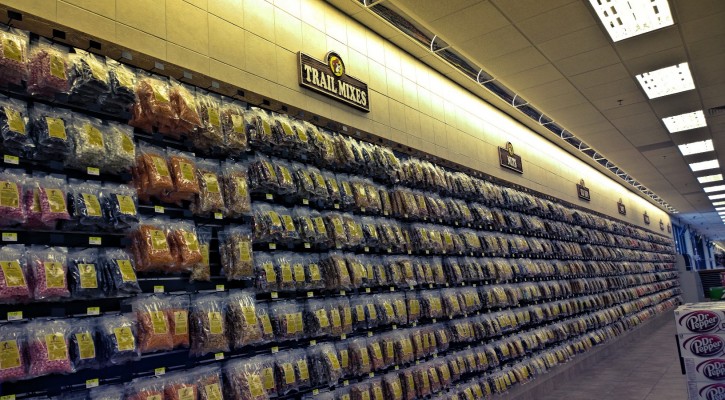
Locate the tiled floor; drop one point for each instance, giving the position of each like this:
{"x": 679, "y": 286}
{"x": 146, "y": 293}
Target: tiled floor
{"x": 646, "y": 368}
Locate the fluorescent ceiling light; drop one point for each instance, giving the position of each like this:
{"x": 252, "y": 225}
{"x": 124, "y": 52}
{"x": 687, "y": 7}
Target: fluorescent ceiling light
{"x": 666, "y": 81}
{"x": 711, "y": 189}
{"x": 626, "y": 18}
{"x": 718, "y": 203}
{"x": 709, "y": 178}
{"x": 696, "y": 147}
{"x": 700, "y": 166}
{"x": 716, "y": 196}
{"x": 683, "y": 122}
{"x": 719, "y": 208}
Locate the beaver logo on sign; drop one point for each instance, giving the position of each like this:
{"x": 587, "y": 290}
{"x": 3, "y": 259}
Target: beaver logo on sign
{"x": 336, "y": 65}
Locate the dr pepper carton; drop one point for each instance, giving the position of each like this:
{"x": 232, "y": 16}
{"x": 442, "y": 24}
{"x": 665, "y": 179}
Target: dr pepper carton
{"x": 705, "y": 345}
{"x": 705, "y": 369}
{"x": 705, "y": 390}
{"x": 700, "y": 318}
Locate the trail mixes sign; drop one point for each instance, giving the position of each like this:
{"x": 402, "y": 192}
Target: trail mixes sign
{"x": 330, "y": 78}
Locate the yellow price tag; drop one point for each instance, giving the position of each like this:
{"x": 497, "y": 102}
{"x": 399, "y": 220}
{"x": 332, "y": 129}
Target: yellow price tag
{"x": 93, "y": 310}
{"x": 91, "y": 383}
{"x": 160, "y": 371}
{"x": 219, "y": 288}
{"x": 158, "y": 289}
{"x": 11, "y": 159}
{"x": 93, "y": 171}
{"x": 10, "y": 237}
{"x": 158, "y": 209}
{"x": 219, "y": 356}
{"x": 15, "y": 315}
{"x": 94, "y": 240}
{"x": 218, "y": 215}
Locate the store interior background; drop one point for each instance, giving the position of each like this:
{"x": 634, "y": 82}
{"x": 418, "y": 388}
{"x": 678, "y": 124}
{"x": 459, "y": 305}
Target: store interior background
{"x": 438, "y": 111}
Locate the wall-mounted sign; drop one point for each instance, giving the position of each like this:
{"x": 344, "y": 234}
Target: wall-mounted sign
{"x": 662, "y": 225}
{"x": 621, "y": 208}
{"x": 508, "y": 159}
{"x": 583, "y": 191}
{"x": 646, "y": 218}
{"x": 330, "y": 78}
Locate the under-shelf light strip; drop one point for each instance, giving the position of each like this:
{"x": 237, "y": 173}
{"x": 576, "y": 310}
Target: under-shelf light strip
{"x": 378, "y": 10}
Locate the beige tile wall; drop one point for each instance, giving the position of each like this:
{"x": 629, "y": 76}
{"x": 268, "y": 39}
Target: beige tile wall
{"x": 253, "y": 43}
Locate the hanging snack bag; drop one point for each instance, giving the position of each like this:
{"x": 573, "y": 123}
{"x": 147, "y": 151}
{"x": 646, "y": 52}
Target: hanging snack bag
{"x": 324, "y": 365}
{"x": 119, "y": 203}
{"x": 87, "y": 278}
{"x": 334, "y": 267}
{"x": 286, "y": 181}
{"x": 122, "y": 80}
{"x": 152, "y": 175}
{"x": 359, "y": 357}
{"x": 120, "y": 148}
{"x": 49, "y": 271}
{"x": 178, "y": 316}
{"x": 151, "y": 247}
{"x": 182, "y": 167}
{"x": 184, "y": 103}
{"x": 267, "y": 223}
{"x": 209, "y": 134}
{"x": 210, "y": 198}
{"x": 259, "y": 129}
{"x": 243, "y": 380}
{"x": 304, "y": 185}
{"x": 283, "y": 269}
{"x": 317, "y": 319}
{"x": 152, "y": 323}
{"x": 118, "y": 338}
{"x": 262, "y": 175}
{"x": 48, "y": 348}
{"x": 153, "y": 107}
{"x": 82, "y": 344}
{"x": 48, "y": 69}
{"x": 202, "y": 270}
{"x": 145, "y": 389}
{"x": 180, "y": 385}
{"x": 13, "y": 56}
{"x": 120, "y": 271}
{"x": 12, "y": 349}
{"x": 50, "y": 128}
{"x": 85, "y": 205}
{"x": 233, "y": 127}
{"x": 208, "y": 325}
{"x": 287, "y": 320}
{"x": 208, "y": 382}
{"x": 266, "y": 279}
{"x": 14, "y": 127}
{"x": 88, "y": 142}
{"x": 244, "y": 326}
{"x": 88, "y": 76}
{"x": 236, "y": 189}
{"x": 11, "y": 206}
{"x": 286, "y": 377}
{"x": 235, "y": 247}
{"x": 313, "y": 272}
{"x": 184, "y": 245}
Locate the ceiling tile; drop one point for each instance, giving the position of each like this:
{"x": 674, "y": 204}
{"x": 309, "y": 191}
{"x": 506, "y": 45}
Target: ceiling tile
{"x": 554, "y": 88}
{"x": 627, "y": 110}
{"x": 703, "y": 28}
{"x": 652, "y": 42}
{"x": 573, "y": 43}
{"x": 431, "y": 10}
{"x": 677, "y": 104}
{"x": 532, "y": 77}
{"x": 600, "y": 76}
{"x": 522, "y": 9}
{"x": 651, "y": 62}
{"x": 557, "y": 22}
{"x": 467, "y": 23}
{"x": 588, "y": 61}
{"x": 517, "y": 61}
{"x": 496, "y": 43}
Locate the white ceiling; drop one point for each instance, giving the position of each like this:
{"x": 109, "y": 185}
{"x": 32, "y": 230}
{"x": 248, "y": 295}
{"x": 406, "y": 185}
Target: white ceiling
{"x": 556, "y": 55}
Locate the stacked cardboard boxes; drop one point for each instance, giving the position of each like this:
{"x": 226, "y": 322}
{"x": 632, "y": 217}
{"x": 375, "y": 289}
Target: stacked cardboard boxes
{"x": 701, "y": 337}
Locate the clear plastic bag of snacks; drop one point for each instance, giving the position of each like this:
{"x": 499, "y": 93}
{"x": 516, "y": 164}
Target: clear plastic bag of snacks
{"x": 88, "y": 77}
{"x": 353, "y": 230}
{"x": 284, "y": 135}
{"x": 266, "y": 279}
{"x": 119, "y": 203}
{"x": 407, "y": 381}
{"x": 263, "y": 175}
{"x": 85, "y": 205}
{"x": 14, "y": 364}
{"x": 335, "y": 226}
{"x": 268, "y": 225}
{"x": 285, "y": 180}
{"x": 153, "y": 107}
{"x": 304, "y": 184}
{"x": 49, "y": 271}
{"x": 359, "y": 357}
{"x": 323, "y": 147}
{"x": 333, "y": 189}
{"x": 120, "y": 148}
{"x": 48, "y": 347}
{"x": 87, "y": 278}
{"x": 208, "y": 382}
{"x": 210, "y": 199}
{"x": 120, "y": 271}
{"x": 145, "y": 389}
{"x": 258, "y": 126}
{"x": 180, "y": 385}
{"x": 375, "y": 351}
{"x": 153, "y": 331}
{"x": 48, "y": 69}
{"x": 302, "y": 142}
{"x": 243, "y": 380}
{"x": 14, "y": 127}
{"x": 244, "y": 327}
{"x": 184, "y": 245}
{"x": 117, "y": 334}
{"x": 324, "y": 365}
{"x": 152, "y": 176}
{"x": 122, "y": 80}
{"x": 364, "y": 313}
{"x": 150, "y": 245}
{"x": 335, "y": 271}
{"x": 297, "y": 264}
{"x": 321, "y": 237}
{"x": 50, "y": 129}
{"x": 313, "y": 272}
{"x": 209, "y": 134}
{"x": 287, "y": 320}
{"x": 178, "y": 316}
{"x": 12, "y": 210}
{"x": 182, "y": 167}
{"x": 236, "y": 189}
{"x": 356, "y": 268}
{"x": 202, "y": 270}
{"x": 82, "y": 346}
{"x": 235, "y": 248}
{"x": 13, "y": 56}
{"x": 317, "y": 319}
{"x": 183, "y": 101}
{"x": 347, "y": 196}
{"x": 233, "y": 121}
{"x": 208, "y": 325}
{"x": 88, "y": 139}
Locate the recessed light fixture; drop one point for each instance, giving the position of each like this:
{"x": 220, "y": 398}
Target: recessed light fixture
{"x": 683, "y": 122}
{"x": 624, "y": 19}
{"x": 696, "y": 147}
{"x": 666, "y": 81}
{"x": 718, "y": 188}
{"x": 716, "y": 196}
{"x": 709, "y": 178}
{"x": 701, "y": 166}
{"x": 718, "y": 203}
{"x": 719, "y": 208}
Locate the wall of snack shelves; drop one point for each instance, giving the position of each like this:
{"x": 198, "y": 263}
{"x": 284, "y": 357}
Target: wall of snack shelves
{"x": 162, "y": 240}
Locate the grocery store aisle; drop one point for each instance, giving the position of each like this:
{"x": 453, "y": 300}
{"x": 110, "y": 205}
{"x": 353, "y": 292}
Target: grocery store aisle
{"x": 645, "y": 368}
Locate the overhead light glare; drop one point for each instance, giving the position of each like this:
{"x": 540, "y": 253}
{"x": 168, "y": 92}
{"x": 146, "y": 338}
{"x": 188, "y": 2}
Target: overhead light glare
{"x": 696, "y": 147}
{"x": 686, "y": 121}
{"x": 716, "y": 196}
{"x": 711, "y": 189}
{"x": 701, "y": 166}
{"x": 624, "y": 19}
{"x": 719, "y": 208}
{"x": 709, "y": 178}
{"x": 666, "y": 81}
{"x": 718, "y": 203}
